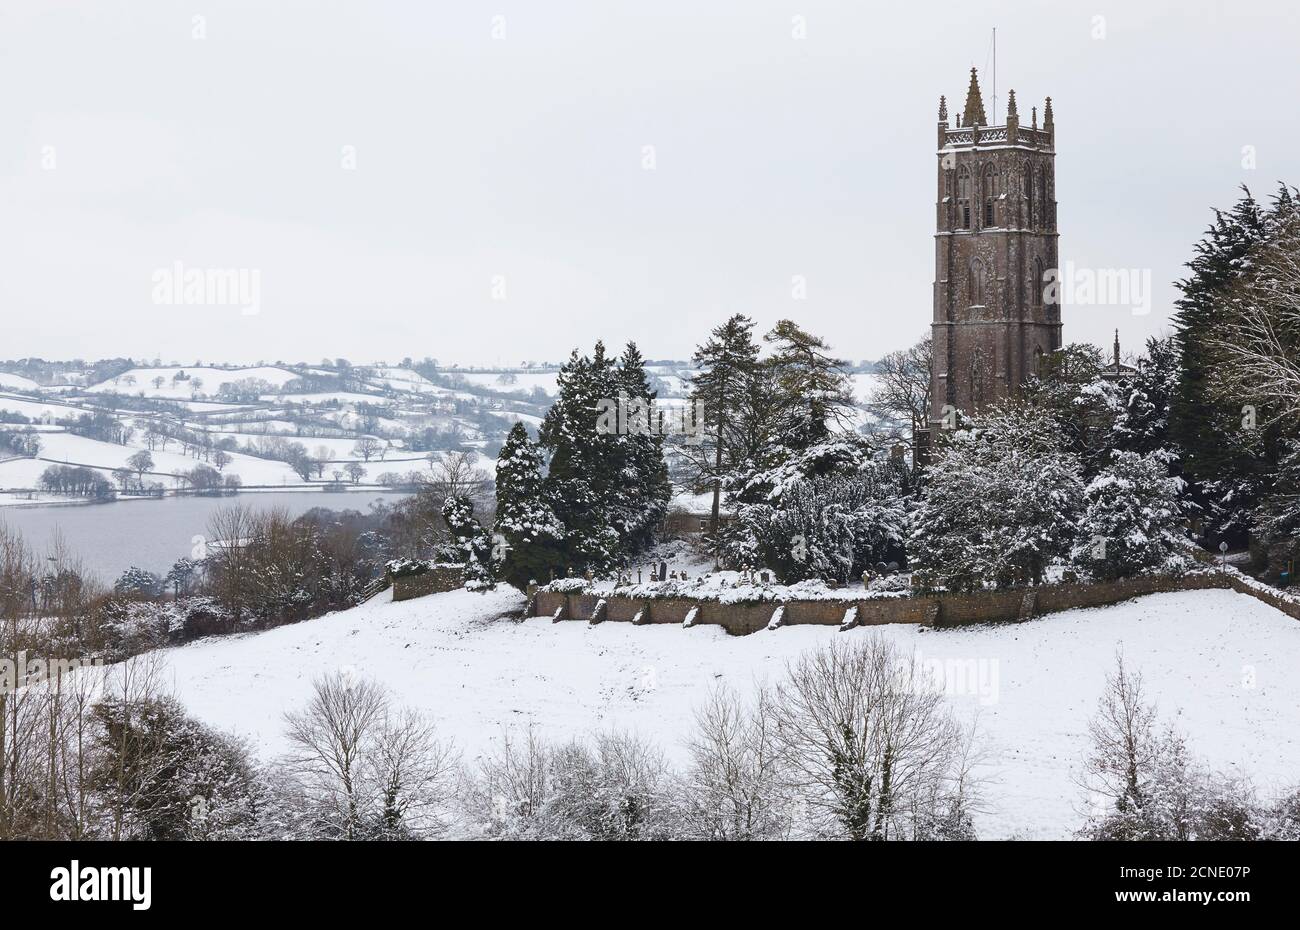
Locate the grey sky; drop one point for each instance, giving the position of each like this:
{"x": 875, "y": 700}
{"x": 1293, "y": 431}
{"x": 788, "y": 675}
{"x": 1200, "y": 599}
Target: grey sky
{"x": 522, "y": 157}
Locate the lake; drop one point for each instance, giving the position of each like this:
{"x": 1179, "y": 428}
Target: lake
{"x": 153, "y": 534}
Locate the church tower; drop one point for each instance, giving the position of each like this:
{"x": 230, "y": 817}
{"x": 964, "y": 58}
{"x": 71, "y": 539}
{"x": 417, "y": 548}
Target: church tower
{"x": 995, "y": 242}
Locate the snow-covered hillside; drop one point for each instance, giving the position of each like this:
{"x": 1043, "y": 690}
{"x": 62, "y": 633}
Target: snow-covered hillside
{"x": 1220, "y": 664}
{"x": 179, "y": 382}
{"x": 14, "y": 382}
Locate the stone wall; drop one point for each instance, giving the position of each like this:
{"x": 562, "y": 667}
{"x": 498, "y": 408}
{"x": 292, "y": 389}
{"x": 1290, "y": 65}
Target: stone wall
{"x": 434, "y": 581}
{"x": 1287, "y": 604}
{"x": 941, "y": 610}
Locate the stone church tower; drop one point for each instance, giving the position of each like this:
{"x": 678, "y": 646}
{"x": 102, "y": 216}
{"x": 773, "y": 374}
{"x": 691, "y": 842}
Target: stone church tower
{"x": 995, "y": 241}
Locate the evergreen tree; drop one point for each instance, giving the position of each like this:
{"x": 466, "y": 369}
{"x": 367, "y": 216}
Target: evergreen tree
{"x": 1131, "y": 517}
{"x": 1081, "y": 404}
{"x": 1278, "y": 516}
{"x": 1000, "y": 504}
{"x": 584, "y": 464}
{"x": 1229, "y": 464}
{"x": 726, "y": 363}
{"x": 640, "y": 504}
{"x": 471, "y": 544}
{"x": 528, "y": 530}
{"x": 607, "y": 483}
{"x": 812, "y": 390}
{"x": 1142, "y": 423}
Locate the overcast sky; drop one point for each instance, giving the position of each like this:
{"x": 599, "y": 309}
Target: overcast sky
{"x": 500, "y": 207}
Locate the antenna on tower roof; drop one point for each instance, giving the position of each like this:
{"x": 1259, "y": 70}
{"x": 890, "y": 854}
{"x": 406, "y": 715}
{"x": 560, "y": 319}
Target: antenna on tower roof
{"x": 995, "y": 77}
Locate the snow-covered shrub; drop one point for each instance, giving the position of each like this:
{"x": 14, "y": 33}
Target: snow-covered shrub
{"x": 1000, "y": 504}
{"x": 890, "y": 584}
{"x": 612, "y": 787}
{"x": 471, "y": 544}
{"x": 138, "y": 582}
{"x": 129, "y": 627}
{"x": 191, "y": 617}
{"x": 1131, "y": 518}
{"x": 172, "y": 777}
{"x": 406, "y": 568}
{"x": 1281, "y": 820}
{"x": 828, "y": 512}
{"x": 568, "y": 585}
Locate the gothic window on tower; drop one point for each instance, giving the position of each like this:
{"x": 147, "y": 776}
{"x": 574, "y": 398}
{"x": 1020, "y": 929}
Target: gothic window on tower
{"x": 976, "y": 283}
{"x": 1029, "y": 196}
{"x": 963, "y": 197}
{"x": 990, "y": 195}
{"x": 1040, "y": 282}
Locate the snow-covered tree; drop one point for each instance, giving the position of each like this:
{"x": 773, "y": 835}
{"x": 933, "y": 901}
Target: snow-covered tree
{"x": 1082, "y": 405}
{"x": 639, "y": 510}
{"x": 182, "y": 573}
{"x": 1278, "y": 516}
{"x": 170, "y": 776}
{"x": 471, "y": 544}
{"x": 1131, "y": 517}
{"x": 831, "y": 527}
{"x": 725, "y": 368}
{"x": 812, "y": 390}
{"x": 606, "y": 481}
{"x": 527, "y": 535}
{"x": 1142, "y": 423}
{"x": 1149, "y": 785}
{"x": 1228, "y": 453}
{"x": 1000, "y": 504}
{"x": 138, "y": 582}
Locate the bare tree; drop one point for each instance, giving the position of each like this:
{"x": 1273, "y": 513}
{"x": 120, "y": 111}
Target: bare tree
{"x": 868, "y": 738}
{"x": 414, "y": 772}
{"x": 508, "y": 793}
{"x": 1125, "y": 745}
{"x": 736, "y": 788}
{"x": 329, "y": 741}
{"x": 902, "y": 391}
{"x": 367, "y": 769}
{"x": 367, "y": 447}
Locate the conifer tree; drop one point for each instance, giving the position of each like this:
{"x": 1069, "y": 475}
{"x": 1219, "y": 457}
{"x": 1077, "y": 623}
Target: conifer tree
{"x": 1142, "y": 423}
{"x": 642, "y": 500}
{"x": 812, "y": 389}
{"x": 471, "y": 544}
{"x": 527, "y": 530}
{"x": 1001, "y": 502}
{"x": 607, "y": 481}
{"x": 726, "y": 363}
{"x": 1229, "y": 464}
{"x": 1130, "y": 523}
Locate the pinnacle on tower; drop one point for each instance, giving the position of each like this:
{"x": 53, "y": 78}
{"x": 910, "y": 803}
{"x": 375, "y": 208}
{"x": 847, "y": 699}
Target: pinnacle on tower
{"x": 1011, "y": 104}
{"x": 943, "y": 109}
{"x": 1047, "y": 114}
{"x": 1117, "y": 350}
{"x": 974, "y": 114}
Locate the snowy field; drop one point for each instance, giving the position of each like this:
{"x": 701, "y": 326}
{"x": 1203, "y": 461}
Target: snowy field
{"x": 17, "y": 382}
{"x": 141, "y": 380}
{"x": 1037, "y": 682}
